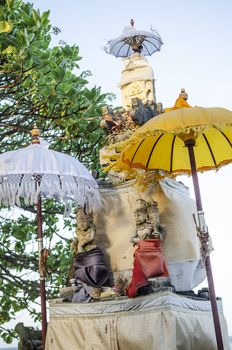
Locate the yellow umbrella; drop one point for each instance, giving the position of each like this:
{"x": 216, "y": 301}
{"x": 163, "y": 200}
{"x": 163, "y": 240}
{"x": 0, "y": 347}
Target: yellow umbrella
{"x": 182, "y": 141}
{"x": 160, "y": 143}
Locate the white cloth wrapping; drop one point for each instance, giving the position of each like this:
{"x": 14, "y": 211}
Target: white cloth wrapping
{"x": 159, "y": 321}
{"x": 136, "y": 69}
{"x": 115, "y": 225}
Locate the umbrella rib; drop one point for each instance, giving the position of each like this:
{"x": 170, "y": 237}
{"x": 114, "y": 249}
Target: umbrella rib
{"x": 112, "y": 45}
{"x": 149, "y": 158}
{"x": 153, "y": 44}
{"x": 144, "y": 45}
{"x": 119, "y": 49}
{"x": 128, "y": 51}
{"x": 171, "y": 160}
{"x": 210, "y": 149}
{"x": 226, "y": 138}
{"x": 136, "y": 151}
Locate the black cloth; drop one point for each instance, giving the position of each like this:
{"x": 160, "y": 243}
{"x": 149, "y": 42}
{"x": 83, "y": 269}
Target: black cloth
{"x": 90, "y": 271}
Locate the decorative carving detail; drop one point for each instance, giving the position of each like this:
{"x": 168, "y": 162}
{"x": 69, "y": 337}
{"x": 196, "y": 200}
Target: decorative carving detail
{"x": 147, "y": 222}
{"x": 137, "y": 80}
{"x": 149, "y": 260}
{"x": 30, "y": 339}
{"x": 203, "y": 235}
{"x": 44, "y": 253}
{"x": 85, "y": 233}
{"x": 117, "y": 123}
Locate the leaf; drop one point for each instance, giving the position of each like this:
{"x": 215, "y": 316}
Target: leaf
{"x": 5, "y": 26}
{"x": 58, "y": 73}
{"x": 45, "y": 17}
{"x": 36, "y": 17}
{"x": 10, "y": 3}
{"x": 10, "y": 49}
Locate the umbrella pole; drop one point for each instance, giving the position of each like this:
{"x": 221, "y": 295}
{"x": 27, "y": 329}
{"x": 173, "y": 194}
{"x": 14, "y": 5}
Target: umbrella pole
{"x": 42, "y": 277}
{"x": 190, "y": 144}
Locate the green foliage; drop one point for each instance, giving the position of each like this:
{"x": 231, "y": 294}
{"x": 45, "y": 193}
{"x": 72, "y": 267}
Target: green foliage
{"x": 40, "y": 85}
{"x": 19, "y": 284}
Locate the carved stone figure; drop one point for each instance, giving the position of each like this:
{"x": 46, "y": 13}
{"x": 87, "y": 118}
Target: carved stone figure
{"x": 30, "y": 339}
{"x": 148, "y": 257}
{"x": 109, "y": 121}
{"x": 118, "y": 124}
{"x": 158, "y": 230}
{"x": 159, "y": 109}
{"x": 89, "y": 268}
{"x": 143, "y": 226}
{"x": 147, "y": 222}
{"x": 86, "y": 231}
{"x": 141, "y": 113}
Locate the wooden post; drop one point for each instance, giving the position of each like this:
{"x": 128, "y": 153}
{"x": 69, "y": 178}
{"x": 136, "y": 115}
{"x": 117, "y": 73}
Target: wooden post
{"x": 190, "y": 144}
{"x": 41, "y": 274}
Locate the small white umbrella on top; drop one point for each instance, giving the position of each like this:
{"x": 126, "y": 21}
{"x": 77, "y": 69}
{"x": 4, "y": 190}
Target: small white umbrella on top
{"x": 133, "y": 40}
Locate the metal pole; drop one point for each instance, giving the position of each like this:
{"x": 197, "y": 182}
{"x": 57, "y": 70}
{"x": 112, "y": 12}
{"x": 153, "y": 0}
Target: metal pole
{"x": 42, "y": 277}
{"x": 190, "y": 144}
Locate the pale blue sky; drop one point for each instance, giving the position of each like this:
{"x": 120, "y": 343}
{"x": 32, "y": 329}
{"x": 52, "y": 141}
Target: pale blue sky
{"x": 196, "y": 55}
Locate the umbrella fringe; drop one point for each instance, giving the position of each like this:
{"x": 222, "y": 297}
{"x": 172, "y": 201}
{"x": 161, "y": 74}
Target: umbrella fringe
{"x": 82, "y": 191}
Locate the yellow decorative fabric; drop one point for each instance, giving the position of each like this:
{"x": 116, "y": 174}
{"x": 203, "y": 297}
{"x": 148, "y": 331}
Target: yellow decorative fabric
{"x": 159, "y": 144}
{"x": 180, "y": 103}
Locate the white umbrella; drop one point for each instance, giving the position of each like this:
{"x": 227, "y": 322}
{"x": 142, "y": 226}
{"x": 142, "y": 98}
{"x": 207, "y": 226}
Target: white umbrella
{"x": 32, "y": 172}
{"x": 133, "y": 40}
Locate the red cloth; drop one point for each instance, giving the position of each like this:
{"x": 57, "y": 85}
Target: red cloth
{"x": 148, "y": 262}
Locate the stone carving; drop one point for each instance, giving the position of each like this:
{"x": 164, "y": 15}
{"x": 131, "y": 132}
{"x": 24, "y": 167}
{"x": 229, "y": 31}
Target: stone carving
{"x": 137, "y": 80}
{"x": 159, "y": 109}
{"x": 117, "y": 123}
{"x": 154, "y": 219}
{"x": 88, "y": 273}
{"x": 147, "y": 222}
{"x": 143, "y": 226}
{"x": 149, "y": 260}
{"x": 30, "y": 339}
{"x": 85, "y": 233}
{"x": 141, "y": 113}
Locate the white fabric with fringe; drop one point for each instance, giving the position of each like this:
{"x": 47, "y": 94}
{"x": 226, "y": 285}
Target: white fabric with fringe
{"x": 36, "y": 170}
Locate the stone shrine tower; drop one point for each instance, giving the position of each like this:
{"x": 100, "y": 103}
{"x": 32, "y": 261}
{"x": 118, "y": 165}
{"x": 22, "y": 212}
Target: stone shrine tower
{"x": 137, "y": 80}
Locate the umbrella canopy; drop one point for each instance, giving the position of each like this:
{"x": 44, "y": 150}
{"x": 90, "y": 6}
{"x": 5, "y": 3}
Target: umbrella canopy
{"x": 36, "y": 170}
{"x": 133, "y": 40}
{"x": 160, "y": 143}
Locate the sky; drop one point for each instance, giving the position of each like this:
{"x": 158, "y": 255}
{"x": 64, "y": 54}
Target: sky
{"x": 196, "y": 55}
